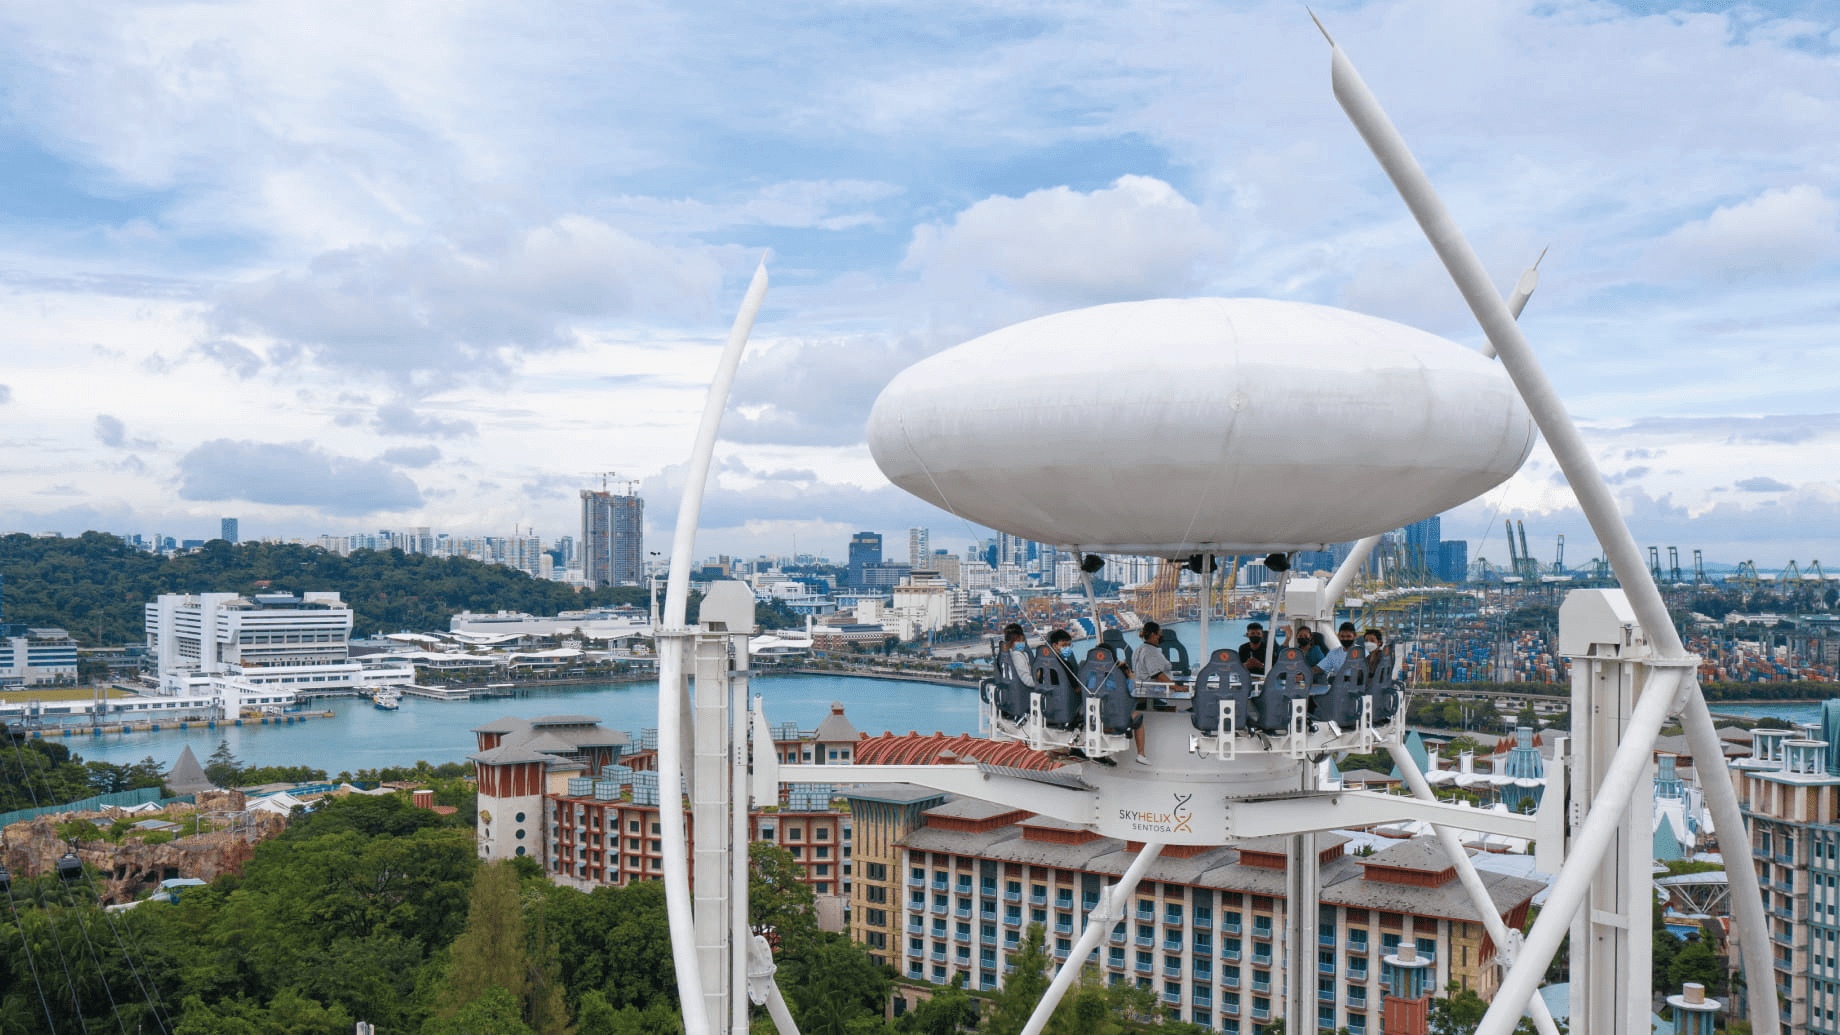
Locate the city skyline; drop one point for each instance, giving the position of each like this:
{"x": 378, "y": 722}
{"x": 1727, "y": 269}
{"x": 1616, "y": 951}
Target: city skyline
{"x": 252, "y": 298}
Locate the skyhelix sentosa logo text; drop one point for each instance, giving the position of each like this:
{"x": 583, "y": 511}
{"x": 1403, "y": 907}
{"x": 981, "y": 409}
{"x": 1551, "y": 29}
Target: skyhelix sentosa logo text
{"x": 1174, "y": 821}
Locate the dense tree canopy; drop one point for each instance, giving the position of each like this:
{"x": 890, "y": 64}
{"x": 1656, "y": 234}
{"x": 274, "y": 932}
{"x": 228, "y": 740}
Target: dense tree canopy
{"x": 95, "y": 585}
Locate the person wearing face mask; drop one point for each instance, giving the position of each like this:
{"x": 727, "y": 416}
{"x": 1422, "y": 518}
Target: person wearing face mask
{"x": 1252, "y": 652}
{"x": 1332, "y": 661}
{"x": 1060, "y": 641}
{"x": 1372, "y": 642}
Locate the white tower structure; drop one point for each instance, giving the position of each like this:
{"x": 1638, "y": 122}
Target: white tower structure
{"x": 1180, "y": 405}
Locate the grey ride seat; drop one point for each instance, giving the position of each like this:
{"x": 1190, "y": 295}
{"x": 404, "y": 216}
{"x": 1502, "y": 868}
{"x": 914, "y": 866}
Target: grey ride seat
{"x": 1177, "y": 652}
{"x": 1115, "y": 640}
{"x": 1384, "y": 688}
{"x": 1287, "y": 681}
{"x": 1060, "y": 692}
{"x": 1223, "y": 678}
{"x": 1010, "y": 693}
{"x": 1340, "y": 701}
{"x": 1102, "y": 677}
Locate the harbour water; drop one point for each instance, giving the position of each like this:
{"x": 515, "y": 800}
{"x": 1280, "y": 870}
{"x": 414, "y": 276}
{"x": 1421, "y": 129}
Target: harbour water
{"x": 359, "y": 736}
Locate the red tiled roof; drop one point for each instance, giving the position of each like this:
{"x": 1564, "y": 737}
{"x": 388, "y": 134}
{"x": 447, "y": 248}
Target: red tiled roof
{"x": 918, "y": 749}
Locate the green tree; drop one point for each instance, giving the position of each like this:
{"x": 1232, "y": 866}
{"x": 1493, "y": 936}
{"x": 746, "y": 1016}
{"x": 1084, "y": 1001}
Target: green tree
{"x": 1024, "y": 986}
{"x": 490, "y": 953}
{"x": 946, "y": 1013}
{"x": 1457, "y": 1012}
{"x": 223, "y": 768}
{"x": 1695, "y": 962}
{"x": 833, "y": 987}
{"x": 494, "y": 1012}
{"x": 780, "y": 903}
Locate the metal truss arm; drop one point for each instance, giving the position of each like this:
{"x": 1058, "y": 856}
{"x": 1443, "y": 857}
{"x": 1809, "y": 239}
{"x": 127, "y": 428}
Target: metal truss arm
{"x": 1064, "y": 803}
{"x": 1337, "y": 810}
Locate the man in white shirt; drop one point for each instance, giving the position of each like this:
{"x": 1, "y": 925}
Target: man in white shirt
{"x": 1149, "y": 665}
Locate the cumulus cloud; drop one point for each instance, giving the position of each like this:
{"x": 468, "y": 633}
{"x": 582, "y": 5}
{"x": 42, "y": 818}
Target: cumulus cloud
{"x": 240, "y": 361}
{"x": 1764, "y": 483}
{"x": 1783, "y": 230}
{"x": 412, "y": 456}
{"x": 6, "y": 394}
{"x": 1773, "y": 429}
{"x": 399, "y": 418}
{"x": 293, "y": 474}
{"x": 1138, "y": 238}
{"x": 815, "y": 391}
{"x": 111, "y": 432}
{"x": 770, "y": 499}
{"x": 427, "y": 311}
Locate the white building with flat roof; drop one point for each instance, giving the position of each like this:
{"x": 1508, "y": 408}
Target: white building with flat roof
{"x": 209, "y": 643}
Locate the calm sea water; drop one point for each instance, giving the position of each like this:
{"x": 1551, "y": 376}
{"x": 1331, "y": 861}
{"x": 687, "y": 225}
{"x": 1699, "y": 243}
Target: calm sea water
{"x": 362, "y": 737}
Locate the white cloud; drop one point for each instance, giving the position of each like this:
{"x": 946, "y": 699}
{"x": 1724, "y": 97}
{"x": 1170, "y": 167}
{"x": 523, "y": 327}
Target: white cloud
{"x": 293, "y": 474}
{"x": 1780, "y": 231}
{"x": 1138, "y": 238}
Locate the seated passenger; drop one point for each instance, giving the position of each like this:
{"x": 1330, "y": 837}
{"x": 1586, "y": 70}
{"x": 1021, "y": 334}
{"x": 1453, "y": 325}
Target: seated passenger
{"x": 1057, "y": 681}
{"x": 1014, "y": 667}
{"x": 1340, "y": 700}
{"x": 1252, "y": 652}
{"x": 1333, "y": 660}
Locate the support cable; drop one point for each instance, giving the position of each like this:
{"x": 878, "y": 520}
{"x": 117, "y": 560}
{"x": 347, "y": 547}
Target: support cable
{"x": 31, "y": 962}
{"x": 95, "y": 957}
{"x": 70, "y": 981}
{"x": 160, "y": 1018}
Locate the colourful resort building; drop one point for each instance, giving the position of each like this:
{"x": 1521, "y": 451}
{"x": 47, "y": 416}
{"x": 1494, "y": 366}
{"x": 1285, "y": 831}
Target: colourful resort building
{"x": 938, "y": 886}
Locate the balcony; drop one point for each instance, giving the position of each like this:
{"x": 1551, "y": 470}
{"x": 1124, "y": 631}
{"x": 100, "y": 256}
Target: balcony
{"x": 1145, "y": 941}
{"x": 1230, "y": 927}
{"x": 1327, "y": 941}
{"x": 1145, "y": 966}
{"x": 1357, "y": 1002}
{"x": 1172, "y": 998}
{"x": 1173, "y": 944}
{"x": 987, "y": 890}
{"x": 938, "y": 955}
{"x": 961, "y": 936}
{"x": 1203, "y": 973}
{"x": 1359, "y": 948}
{"x": 1261, "y": 1013}
{"x": 1038, "y": 898}
{"x": 1202, "y": 998}
{"x": 1261, "y": 959}
{"x": 1228, "y": 1006}
{"x": 1358, "y": 975}
{"x": 1118, "y": 937}
{"x": 1325, "y": 995}
{"x": 1172, "y": 919}
{"x": 915, "y": 925}
{"x": 989, "y": 912}
{"x": 940, "y": 908}
{"x": 917, "y": 971}
{"x": 1230, "y": 955}
{"x": 1204, "y": 948}
{"x": 1012, "y": 895}
{"x": 916, "y": 882}
{"x": 1230, "y": 978}
{"x": 941, "y": 884}
{"x": 963, "y": 889}
{"x": 1089, "y": 902}
{"x": 1172, "y": 970}
{"x": 1261, "y": 986}
{"x": 1115, "y": 963}
{"x": 1060, "y": 953}
{"x": 1064, "y": 903}
{"x": 963, "y": 912}
{"x": 1063, "y": 927}
{"x": 1324, "y": 968}
{"x": 1204, "y": 921}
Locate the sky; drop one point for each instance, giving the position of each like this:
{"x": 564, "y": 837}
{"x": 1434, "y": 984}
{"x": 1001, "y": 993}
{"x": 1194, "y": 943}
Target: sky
{"x": 337, "y": 267}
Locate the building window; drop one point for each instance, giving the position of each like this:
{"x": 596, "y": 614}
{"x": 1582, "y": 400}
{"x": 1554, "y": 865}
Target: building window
{"x": 822, "y": 833}
{"x": 766, "y": 833}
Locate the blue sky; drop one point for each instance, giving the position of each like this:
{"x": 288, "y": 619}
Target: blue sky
{"x": 338, "y": 267}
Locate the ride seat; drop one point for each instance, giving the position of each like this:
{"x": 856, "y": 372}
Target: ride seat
{"x": 1101, "y": 677}
{"x": 1340, "y": 703}
{"x": 1288, "y": 680}
{"x": 1384, "y": 688}
{"x": 1115, "y": 640}
{"x": 1223, "y": 678}
{"x": 1060, "y": 693}
{"x": 1011, "y": 694}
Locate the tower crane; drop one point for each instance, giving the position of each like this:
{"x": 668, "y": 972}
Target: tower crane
{"x": 1674, "y": 564}
{"x": 1559, "y": 556}
{"x": 1654, "y": 563}
{"x": 1532, "y": 573}
{"x": 1699, "y": 569}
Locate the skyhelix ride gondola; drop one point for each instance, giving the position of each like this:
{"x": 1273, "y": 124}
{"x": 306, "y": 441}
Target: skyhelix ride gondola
{"x": 1166, "y": 428}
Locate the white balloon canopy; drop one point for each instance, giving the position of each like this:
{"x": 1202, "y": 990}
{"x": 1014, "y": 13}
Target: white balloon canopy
{"x": 1177, "y": 426}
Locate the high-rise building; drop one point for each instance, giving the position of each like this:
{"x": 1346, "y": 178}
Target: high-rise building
{"x": 612, "y": 539}
{"x": 1424, "y": 541}
{"x": 227, "y": 530}
{"x": 1454, "y": 558}
{"x": 865, "y": 551}
{"x": 919, "y": 547}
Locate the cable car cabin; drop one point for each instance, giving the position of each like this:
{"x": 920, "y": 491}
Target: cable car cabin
{"x": 69, "y": 867}
{"x": 1094, "y": 708}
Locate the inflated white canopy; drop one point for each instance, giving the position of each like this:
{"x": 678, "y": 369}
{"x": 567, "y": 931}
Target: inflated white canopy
{"x": 1177, "y": 426}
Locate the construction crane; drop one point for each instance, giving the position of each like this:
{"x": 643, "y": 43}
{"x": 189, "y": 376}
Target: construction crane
{"x": 1514, "y": 557}
{"x": 1559, "y": 556}
{"x": 615, "y": 475}
{"x": 1533, "y": 567}
{"x": 1699, "y": 569}
{"x": 1654, "y": 563}
{"x": 1791, "y": 572}
{"x": 1674, "y": 564}
{"x": 1746, "y": 576}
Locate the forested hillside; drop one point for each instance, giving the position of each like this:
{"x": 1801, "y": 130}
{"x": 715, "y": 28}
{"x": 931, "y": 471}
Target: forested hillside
{"x": 95, "y": 585}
